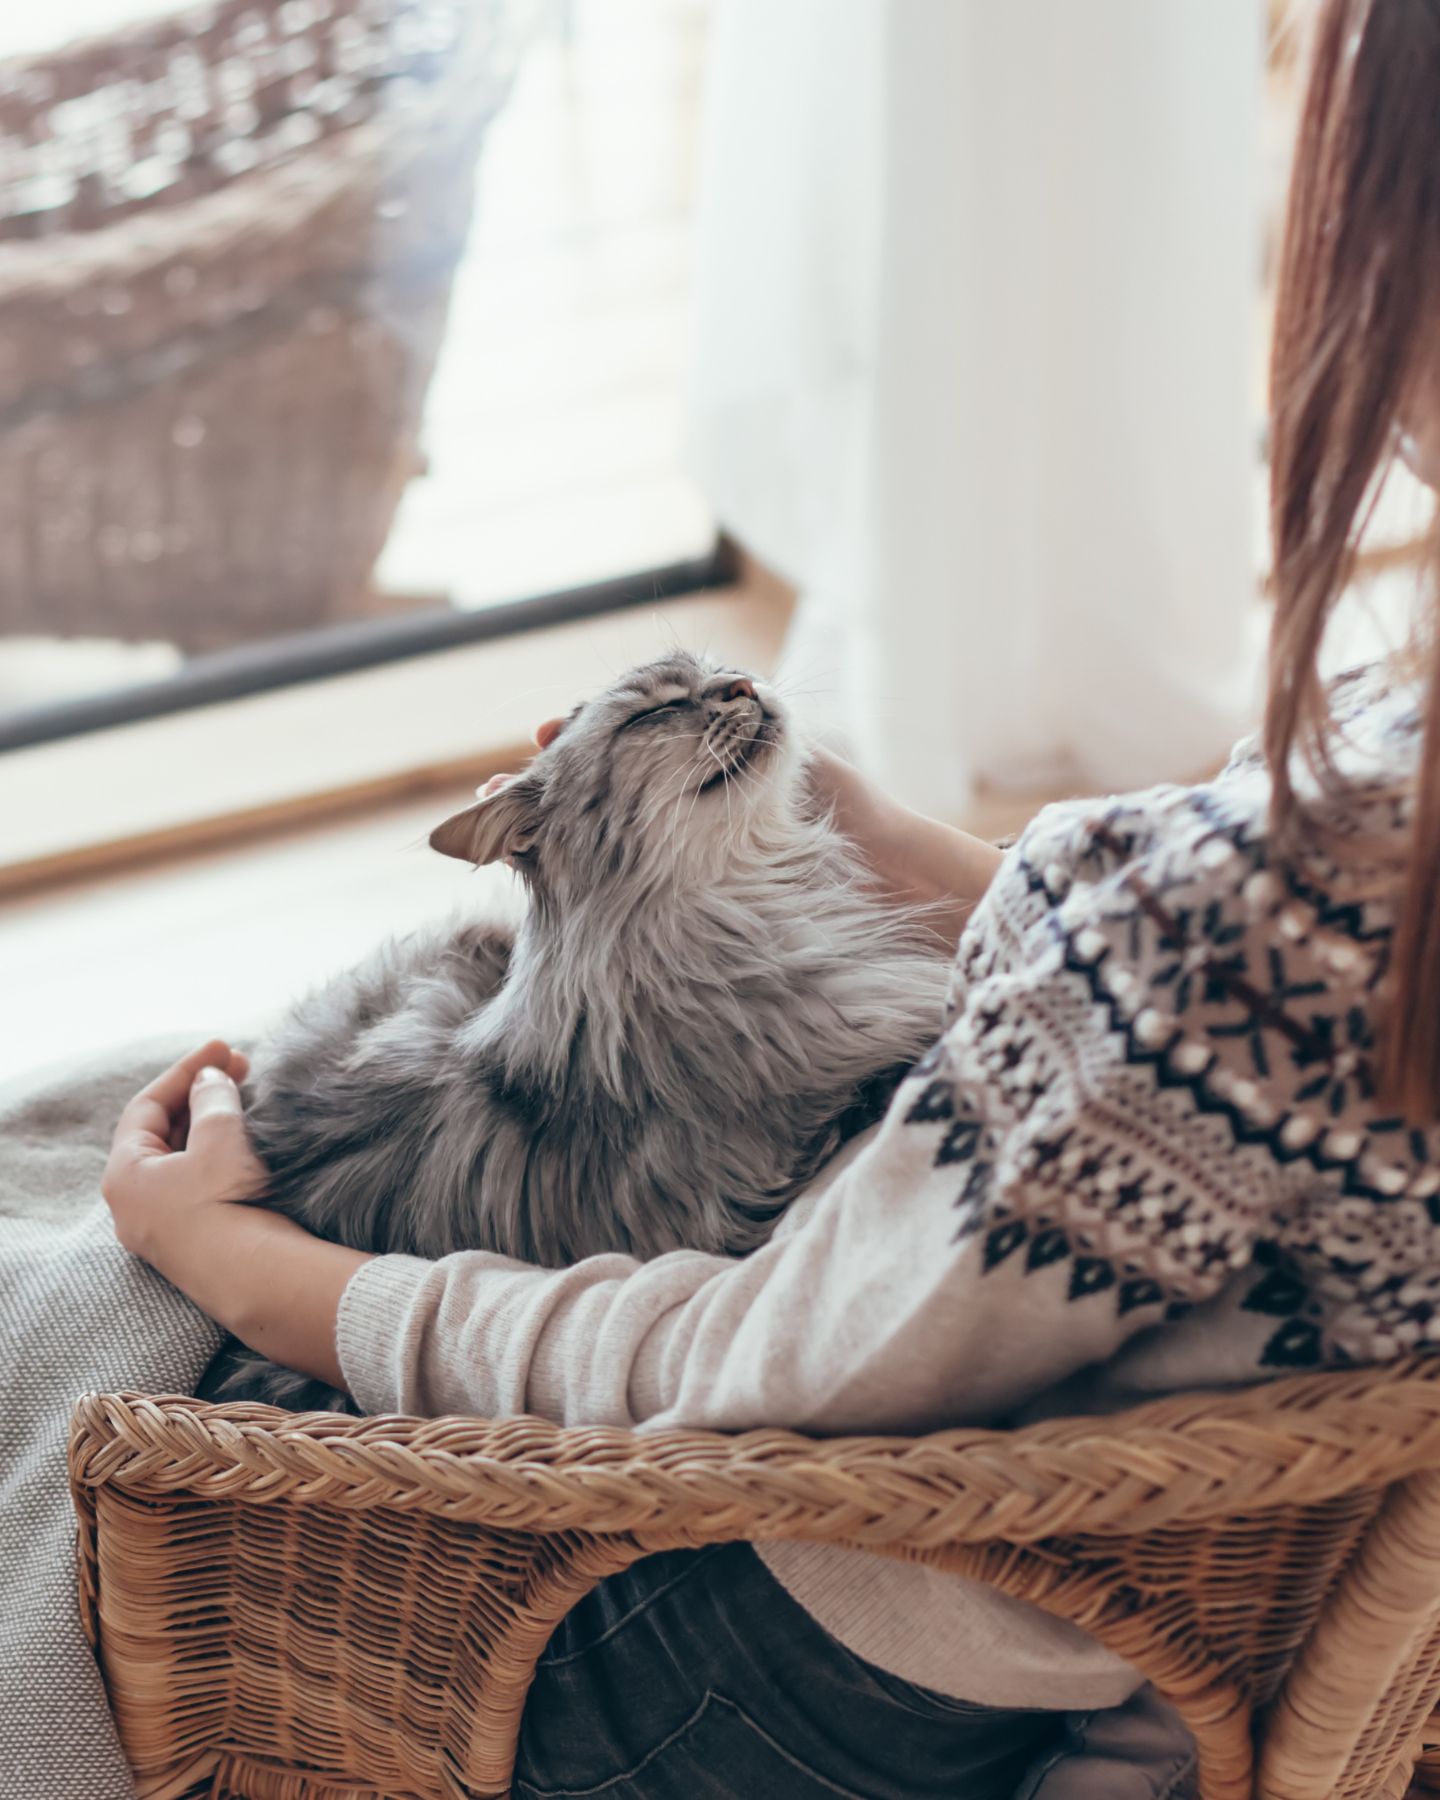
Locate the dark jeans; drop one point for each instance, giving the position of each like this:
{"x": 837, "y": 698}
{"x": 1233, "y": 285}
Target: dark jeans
{"x": 695, "y": 1676}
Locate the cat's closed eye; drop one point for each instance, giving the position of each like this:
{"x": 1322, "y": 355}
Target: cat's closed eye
{"x": 653, "y": 713}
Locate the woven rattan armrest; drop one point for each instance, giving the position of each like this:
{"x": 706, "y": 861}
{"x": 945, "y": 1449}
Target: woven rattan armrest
{"x": 320, "y": 1606}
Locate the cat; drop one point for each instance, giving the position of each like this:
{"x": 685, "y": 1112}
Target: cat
{"x": 706, "y": 995}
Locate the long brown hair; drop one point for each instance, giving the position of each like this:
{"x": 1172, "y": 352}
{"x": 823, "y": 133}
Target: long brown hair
{"x": 1357, "y": 323}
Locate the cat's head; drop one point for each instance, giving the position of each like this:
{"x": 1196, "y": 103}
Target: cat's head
{"x": 679, "y": 766}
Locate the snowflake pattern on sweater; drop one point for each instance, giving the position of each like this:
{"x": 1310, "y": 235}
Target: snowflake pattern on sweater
{"x": 1158, "y": 1066}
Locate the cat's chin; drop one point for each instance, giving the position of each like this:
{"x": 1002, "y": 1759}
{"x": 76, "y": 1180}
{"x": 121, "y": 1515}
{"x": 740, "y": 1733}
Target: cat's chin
{"x": 755, "y": 756}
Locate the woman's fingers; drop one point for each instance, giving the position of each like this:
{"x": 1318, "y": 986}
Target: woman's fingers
{"x": 218, "y": 1139}
{"x": 153, "y": 1110}
{"x": 180, "y": 1120}
{"x": 158, "y": 1110}
{"x": 546, "y": 733}
{"x": 214, "y": 1099}
{"x": 236, "y": 1070}
{"x": 171, "y": 1086}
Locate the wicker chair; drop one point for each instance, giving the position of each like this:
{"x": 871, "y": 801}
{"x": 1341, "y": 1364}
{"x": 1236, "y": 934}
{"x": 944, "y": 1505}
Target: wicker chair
{"x": 305, "y": 1608}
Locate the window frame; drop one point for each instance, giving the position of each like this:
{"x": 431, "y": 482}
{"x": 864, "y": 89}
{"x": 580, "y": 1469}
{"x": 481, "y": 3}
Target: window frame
{"x": 351, "y": 645}
{"x": 216, "y": 772}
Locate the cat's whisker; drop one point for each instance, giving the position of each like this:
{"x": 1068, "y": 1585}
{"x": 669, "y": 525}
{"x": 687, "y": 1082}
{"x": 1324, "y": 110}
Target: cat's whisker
{"x": 812, "y": 669}
{"x": 670, "y": 797}
{"x": 682, "y": 787}
{"x": 664, "y": 621}
{"x": 724, "y": 769}
{"x": 788, "y": 691}
{"x": 695, "y": 795}
{"x": 744, "y": 774}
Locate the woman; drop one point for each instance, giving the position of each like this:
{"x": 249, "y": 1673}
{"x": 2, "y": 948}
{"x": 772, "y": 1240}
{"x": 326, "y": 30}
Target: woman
{"x": 1181, "y": 1130}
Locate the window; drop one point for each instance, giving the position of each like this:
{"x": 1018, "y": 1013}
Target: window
{"x": 332, "y": 331}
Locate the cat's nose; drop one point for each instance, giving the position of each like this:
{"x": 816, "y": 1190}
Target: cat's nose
{"x": 738, "y": 687}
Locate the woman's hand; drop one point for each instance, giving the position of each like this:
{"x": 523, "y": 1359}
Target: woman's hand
{"x": 179, "y": 1172}
{"x": 179, "y": 1152}
{"x": 917, "y": 861}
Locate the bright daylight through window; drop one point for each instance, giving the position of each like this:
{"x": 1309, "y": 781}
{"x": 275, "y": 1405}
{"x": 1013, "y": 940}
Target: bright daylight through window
{"x": 322, "y": 314}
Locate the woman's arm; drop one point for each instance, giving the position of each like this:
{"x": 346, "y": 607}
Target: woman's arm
{"x": 858, "y": 1320}
{"x": 915, "y": 1295}
{"x": 916, "y": 859}
{"x": 894, "y": 1306}
{"x": 179, "y": 1173}
{"x": 271, "y": 1284}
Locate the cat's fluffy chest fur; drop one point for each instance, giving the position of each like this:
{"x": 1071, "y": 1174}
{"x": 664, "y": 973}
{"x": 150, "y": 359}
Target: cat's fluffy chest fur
{"x": 679, "y": 1034}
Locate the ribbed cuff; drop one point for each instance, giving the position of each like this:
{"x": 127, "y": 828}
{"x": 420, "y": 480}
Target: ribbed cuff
{"x": 372, "y": 1326}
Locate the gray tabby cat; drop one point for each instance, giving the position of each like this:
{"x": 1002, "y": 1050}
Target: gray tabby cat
{"x": 704, "y": 999}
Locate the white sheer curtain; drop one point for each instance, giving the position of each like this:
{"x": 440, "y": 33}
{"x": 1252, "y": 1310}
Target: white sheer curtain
{"x": 975, "y": 367}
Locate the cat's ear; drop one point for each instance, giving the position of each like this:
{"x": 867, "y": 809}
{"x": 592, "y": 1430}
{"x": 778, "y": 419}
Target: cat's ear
{"x": 502, "y": 825}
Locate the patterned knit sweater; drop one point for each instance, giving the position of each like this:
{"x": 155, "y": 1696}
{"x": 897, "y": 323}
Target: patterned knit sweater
{"x": 1146, "y": 1154}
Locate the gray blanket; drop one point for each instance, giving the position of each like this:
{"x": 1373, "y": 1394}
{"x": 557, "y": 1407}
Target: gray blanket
{"x": 76, "y": 1314}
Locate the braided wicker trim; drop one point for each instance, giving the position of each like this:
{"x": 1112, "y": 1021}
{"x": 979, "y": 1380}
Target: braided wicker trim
{"x": 1190, "y": 1459}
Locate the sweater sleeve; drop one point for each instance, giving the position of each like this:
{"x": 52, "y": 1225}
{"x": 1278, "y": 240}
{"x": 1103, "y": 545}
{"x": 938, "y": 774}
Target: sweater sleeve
{"x": 1034, "y": 1197}
{"x": 880, "y": 1313}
